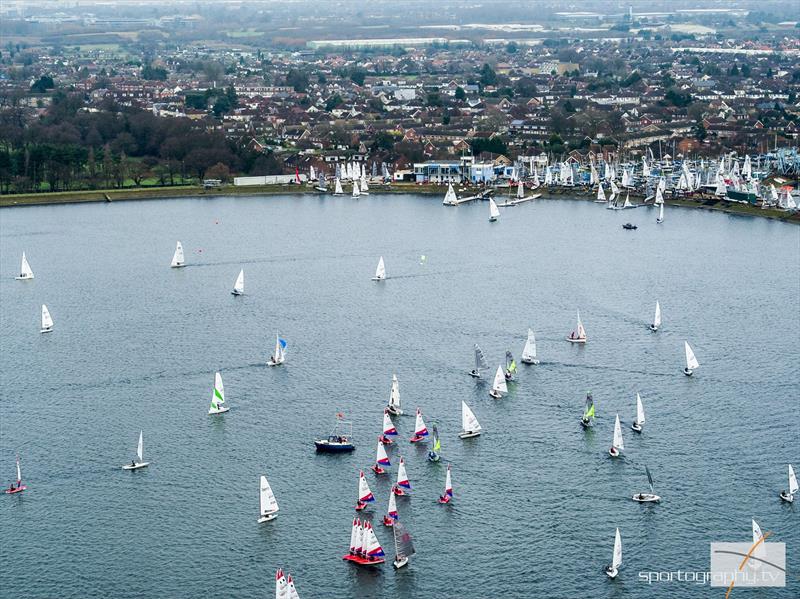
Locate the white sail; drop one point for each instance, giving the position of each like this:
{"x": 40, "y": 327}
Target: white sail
{"x": 499, "y": 384}
{"x": 520, "y": 191}
{"x": 601, "y": 194}
{"x": 394, "y": 394}
{"x": 402, "y": 475}
{"x": 661, "y": 212}
{"x": 47, "y": 320}
{"x": 381, "y": 456}
{"x": 140, "y": 447}
{"x": 792, "y": 481}
{"x": 19, "y": 475}
{"x": 269, "y": 505}
{"x": 356, "y": 190}
{"x": 364, "y": 493}
{"x": 450, "y": 198}
{"x": 392, "y": 509}
{"x": 759, "y": 550}
{"x": 639, "y": 410}
{"x": 279, "y": 354}
{"x": 177, "y": 257}
{"x": 280, "y": 585}
{"x": 338, "y": 189}
{"x": 217, "y": 396}
{"x": 25, "y": 271}
{"x": 364, "y": 186}
{"x": 691, "y": 361}
{"x": 493, "y": 210}
{"x": 659, "y": 197}
{"x": 419, "y": 425}
{"x": 380, "y": 271}
{"x": 469, "y": 424}
{"x": 616, "y": 562}
{"x": 238, "y": 286}
{"x": 291, "y": 592}
{"x": 618, "y": 443}
{"x": 529, "y": 351}
{"x": 657, "y": 317}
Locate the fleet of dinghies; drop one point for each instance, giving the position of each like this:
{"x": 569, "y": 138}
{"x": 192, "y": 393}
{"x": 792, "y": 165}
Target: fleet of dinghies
{"x": 365, "y": 549}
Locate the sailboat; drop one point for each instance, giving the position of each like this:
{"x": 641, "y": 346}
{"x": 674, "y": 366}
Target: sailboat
{"x": 758, "y": 550}
{"x": 470, "y": 427}
{"x": 587, "y": 420}
{"x": 786, "y": 495}
{"x": 355, "y": 541}
{"x": 617, "y": 446}
{"x": 25, "y": 272}
{"x": 450, "y": 198}
{"x": 365, "y": 550}
{"x": 511, "y": 366}
{"x": 656, "y": 319}
{"x": 135, "y": 465}
{"x": 494, "y": 212}
{"x": 433, "y": 453}
{"x": 268, "y": 505}
{"x": 322, "y": 185}
{"x": 448, "y": 489}
{"x": 291, "y": 592}
{"x": 380, "y": 272}
{"x": 613, "y": 569}
{"x": 403, "y": 546}
{"x": 389, "y": 429}
{"x": 650, "y": 497}
{"x": 364, "y": 186}
{"x": 356, "y": 190}
{"x": 691, "y": 361}
{"x": 19, "y": 487}
{"x": 499, "y": 386}
{"x": 529, "y": 351}
{"x": 579, "y": 334}
{"x": 480, "y": 362}
{"x": 420, "y": 430}
{"x": 365, "y": 496}
{"x": 278, "y": 356}
{"x": 391, "y": 512}
{"x": 639, "y": 422}
{"x": 394, "y": 398}
{"x": 177, "y": 257}
{"x": 47, "y": 320}
{"x": 338, "y": 191}
{"x": 218, "y": 396}
{"x": 381, "y": 460}
{"x": 601, "y": 194}
{"x": 338, "y": 441}
{"x": 238, "y": 286}
{"x": 660, "y": 218}
{"x": 403, "y": 484}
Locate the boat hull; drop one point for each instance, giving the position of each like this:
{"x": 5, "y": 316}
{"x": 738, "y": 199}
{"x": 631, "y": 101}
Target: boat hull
{"x": 653, "y": 328}
{"x": 16, "y": 490}
{"x": 47, "y": 330}
{"x": 571, "y": 340}
{"x": 327, "y": 447}
{"x": 495, "y": 394}
{"x": 611, "y": 572}
{"x": 378, "y": 278}
{"x": 274, "y": 363}
{"x": 469, "y": 434}
{"x": 394, "y": 411}
{"x": 21, "y": 278}
{"x": 219, "y": 411}
{"x": 614, "y": 452}
{"x": 475, "y": 375}
{"x": 399, "y": 563}
{"x": 646, "y": 498}
{"x": 688, "y": 371}
{"x": 364, "y": 561}
{"x": 529, "y": 361}
{"x": 787, "y": 497}
{"x": 136, "y": 466}
{"x": 267, "y": 518}
{"x": 636, "y": 427}
{"x": 177, "y": 265}
{"x": 234, "y": 292}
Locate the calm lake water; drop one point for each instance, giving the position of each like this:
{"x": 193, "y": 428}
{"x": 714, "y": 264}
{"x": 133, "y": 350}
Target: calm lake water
{"x": 537, "y": 499}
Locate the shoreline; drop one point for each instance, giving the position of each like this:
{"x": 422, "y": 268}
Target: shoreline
{"x": 168, "y": 193}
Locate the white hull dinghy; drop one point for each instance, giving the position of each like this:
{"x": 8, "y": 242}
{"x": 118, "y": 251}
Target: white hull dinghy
{"x": 268, "y": 505}
{"x": 177, "y": 258}
{"x": 788, "y": 494}
{"x": 394, "y": 398}
{"x": 135, "y": 465}
{"x": 25, "y": 272}
{"x": 470, "y": 427}
{"x": 656, "y": 318}
{"x": 499, "y": 386}
{"x": 617, "y": 446}
{"x": 639, "y": 422}
{"x": 650, "y": 497}
{"x": 529, "y": 351}
{"x": 47, "y": 321}
{"x": 238, "y": 286}
{"x": 579, "y": 334}
{"x": 480, "y": 363}
{"x": 278, "y": 356}
{"x": 218, "y": 396}
{"x": 613, "y": 569}
{"x": 380, "y": 272}
{"x": 494, "y": 211}
{"x": 691, "y": 362}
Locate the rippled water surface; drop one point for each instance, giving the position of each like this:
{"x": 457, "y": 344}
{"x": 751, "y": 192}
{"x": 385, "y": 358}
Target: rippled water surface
{"x": 537, "y": 499}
